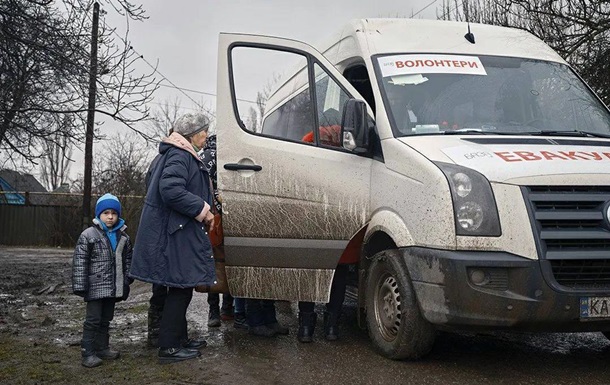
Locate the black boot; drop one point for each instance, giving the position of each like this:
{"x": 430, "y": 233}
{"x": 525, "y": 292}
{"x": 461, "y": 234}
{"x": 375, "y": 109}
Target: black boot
{"x": 154, "y": 321}
{"x": 170, "y": 355}
{"x": 226, "y": 310}
{"x": 307, "y": 325}
{"x": 278, "y": 329}
{"x": 214, "y": 317}
{"x": 90, "y": 360}
{"x": 331, "y": 328}
{"x": 102, "y": 347}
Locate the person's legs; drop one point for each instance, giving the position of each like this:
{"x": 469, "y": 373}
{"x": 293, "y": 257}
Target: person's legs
{"x": 93, "y": 319}
{"x": 190, "y": 343}
{"x": 271, "y": 319}
{"x": 214, "y": 310}
{"x": 255, "y": 316}
{"x": 172, "y": 329}
{"x": 226, "y": 311}
{"x": 306, "y": 307}
{"x": 102, "y": 339}
{"x": 240, "y": 314}
{"x": 307, "y": 321}
{"x": 173, "y": 319}
{"x": 155, "y": 310}
{"x": 333, "y": 308}
{"x": 240, "y": 305}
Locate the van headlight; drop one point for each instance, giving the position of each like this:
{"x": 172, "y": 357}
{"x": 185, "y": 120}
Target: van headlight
{"x": 474, "y": 205}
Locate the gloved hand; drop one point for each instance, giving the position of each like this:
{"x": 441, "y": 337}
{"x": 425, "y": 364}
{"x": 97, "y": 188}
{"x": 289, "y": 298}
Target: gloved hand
{"x": 80, "y": 293}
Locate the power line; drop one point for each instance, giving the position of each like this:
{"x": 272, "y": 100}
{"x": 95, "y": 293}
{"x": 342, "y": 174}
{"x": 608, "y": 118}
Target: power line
{"x": 446, "y": 13}
{"x": 206, "y": 93}
{"x": 172, "y": 84}
{"x": 449, "y": 10}
{"x": 164, "y": 77}
{"x": 155, "y": 69}
{"x": 175, "y": 106}
{"x": 421, "y": 10}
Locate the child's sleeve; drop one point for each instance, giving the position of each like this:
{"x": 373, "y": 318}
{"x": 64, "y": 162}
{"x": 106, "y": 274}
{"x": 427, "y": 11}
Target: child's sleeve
{"x": 128, "y": 254}
{"x": 80, "y": 265}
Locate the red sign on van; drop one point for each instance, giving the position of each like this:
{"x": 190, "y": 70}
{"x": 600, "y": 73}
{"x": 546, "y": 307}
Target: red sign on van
{"x": 528, "y": 156}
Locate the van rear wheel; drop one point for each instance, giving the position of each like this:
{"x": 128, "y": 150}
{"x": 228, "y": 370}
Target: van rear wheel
{"x": 393, "y": 318}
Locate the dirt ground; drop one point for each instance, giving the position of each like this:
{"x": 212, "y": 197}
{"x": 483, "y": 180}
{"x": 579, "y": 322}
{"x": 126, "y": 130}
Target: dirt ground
{"x": 41, "y": 322}
{"x": 41, "y": 325}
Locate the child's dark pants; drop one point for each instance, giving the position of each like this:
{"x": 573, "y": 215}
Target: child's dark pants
{"x": 96, "y": 327}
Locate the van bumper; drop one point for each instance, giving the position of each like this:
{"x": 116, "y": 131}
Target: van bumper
{"x": 473, "y": 290}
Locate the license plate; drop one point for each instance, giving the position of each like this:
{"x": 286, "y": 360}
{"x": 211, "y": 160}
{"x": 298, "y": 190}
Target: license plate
{"x": 595, "y": 307}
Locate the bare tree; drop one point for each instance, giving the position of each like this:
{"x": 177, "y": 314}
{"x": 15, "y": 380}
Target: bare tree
{"x": 44, "y": 65}
{"x": 57, "y": 153}
{"x": 579, "y": 30}
{"x": 253, "y": 119}
{"x": 121, "y": 166}
{"x": 255, "y": 116}
{"x": 163, "y": 118}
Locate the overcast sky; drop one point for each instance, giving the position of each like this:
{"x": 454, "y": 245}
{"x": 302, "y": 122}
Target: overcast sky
{"x": 182, "y": 37}
{"x": 183, "y": 34}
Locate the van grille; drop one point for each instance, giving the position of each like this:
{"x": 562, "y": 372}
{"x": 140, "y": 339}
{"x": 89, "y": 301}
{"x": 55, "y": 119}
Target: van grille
{"x": 582, "y": 274}
{"x": 574, "y": 233}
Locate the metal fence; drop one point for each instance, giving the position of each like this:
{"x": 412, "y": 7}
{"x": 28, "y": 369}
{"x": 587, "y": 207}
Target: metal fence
{"x": 50, "y": 219}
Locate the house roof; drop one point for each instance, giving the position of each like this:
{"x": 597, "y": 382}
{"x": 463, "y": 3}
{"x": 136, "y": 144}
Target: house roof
{"x": 21, "y": 182}
{"x": 14, "y": 184}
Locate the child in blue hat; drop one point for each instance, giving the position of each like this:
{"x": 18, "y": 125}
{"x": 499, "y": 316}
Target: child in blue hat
{"x": 99, "y": 274}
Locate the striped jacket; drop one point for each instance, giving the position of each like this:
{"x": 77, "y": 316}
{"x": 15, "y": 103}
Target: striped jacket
{"x": 94, "y": 267}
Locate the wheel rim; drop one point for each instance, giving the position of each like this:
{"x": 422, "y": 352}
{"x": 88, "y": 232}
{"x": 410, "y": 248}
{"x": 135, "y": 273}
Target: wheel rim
{"x": 387, "y": 306}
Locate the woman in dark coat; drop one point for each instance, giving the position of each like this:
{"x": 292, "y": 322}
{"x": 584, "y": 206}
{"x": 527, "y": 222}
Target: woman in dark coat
{"x": 172, "y": 245}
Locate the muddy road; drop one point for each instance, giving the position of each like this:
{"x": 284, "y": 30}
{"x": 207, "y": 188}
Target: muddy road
{"x": 40, "y": 326}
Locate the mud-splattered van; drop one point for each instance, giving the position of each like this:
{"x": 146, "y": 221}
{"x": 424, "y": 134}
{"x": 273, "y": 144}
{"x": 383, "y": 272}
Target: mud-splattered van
{"x": 464, "y": 169}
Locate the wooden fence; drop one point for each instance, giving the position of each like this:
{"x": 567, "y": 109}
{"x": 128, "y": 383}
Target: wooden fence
{"x": 56, "y": 219}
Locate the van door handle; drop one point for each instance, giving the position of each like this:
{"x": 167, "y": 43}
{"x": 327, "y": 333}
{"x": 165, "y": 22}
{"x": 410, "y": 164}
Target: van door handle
{"x": 239, "y": 167}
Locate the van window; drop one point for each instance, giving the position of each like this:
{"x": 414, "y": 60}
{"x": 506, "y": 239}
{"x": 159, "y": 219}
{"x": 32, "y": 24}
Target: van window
{"x": 330, "y": 99}
{"x": 271, "y": 91}
{"x": 292, "y": 120}
{"x": 358, "y": 77}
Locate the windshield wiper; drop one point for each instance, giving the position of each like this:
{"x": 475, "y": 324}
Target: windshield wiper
{"x": 568, "y": 133}
{"x": 475, "y": 131}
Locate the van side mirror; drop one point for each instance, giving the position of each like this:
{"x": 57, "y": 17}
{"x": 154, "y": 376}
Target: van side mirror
{"x": 354, "y": 126}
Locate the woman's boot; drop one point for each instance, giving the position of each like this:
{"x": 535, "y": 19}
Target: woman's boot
{"x": 307, "y": 325}
{"x": 331, "y": 328}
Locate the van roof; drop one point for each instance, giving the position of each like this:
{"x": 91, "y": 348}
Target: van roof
{"x": 383, "y": 36}
{"x": 362, "y": 38}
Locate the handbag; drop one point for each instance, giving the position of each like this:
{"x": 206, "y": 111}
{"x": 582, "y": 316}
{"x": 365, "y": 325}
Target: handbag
{"x": 216, "y": 235}
{"x": 217, "y": 239}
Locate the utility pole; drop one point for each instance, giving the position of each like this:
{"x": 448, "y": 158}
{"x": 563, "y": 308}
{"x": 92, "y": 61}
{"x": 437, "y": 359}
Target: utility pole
{"x": 90, "y": 119}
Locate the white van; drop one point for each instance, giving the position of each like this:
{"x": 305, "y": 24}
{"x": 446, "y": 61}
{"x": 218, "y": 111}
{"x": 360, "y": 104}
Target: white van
{"x": 466, "y": 175}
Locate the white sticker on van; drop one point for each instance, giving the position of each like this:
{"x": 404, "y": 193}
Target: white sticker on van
{"x": 428, "y": 64}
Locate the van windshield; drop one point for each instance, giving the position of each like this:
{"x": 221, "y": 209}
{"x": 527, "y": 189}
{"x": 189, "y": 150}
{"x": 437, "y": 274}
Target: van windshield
{"x": 442, "y": 94}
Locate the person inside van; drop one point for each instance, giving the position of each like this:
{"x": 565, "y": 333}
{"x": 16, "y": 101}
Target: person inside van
{"x": 329, "y": 136}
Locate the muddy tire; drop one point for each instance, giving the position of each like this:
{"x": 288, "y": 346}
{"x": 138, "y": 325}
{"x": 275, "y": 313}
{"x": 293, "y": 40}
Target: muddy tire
{"x": 393, "y": 318}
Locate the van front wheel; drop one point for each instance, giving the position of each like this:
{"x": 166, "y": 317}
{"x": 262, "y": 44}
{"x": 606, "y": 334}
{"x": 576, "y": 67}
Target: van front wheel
{"x": 393, "y": 318}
